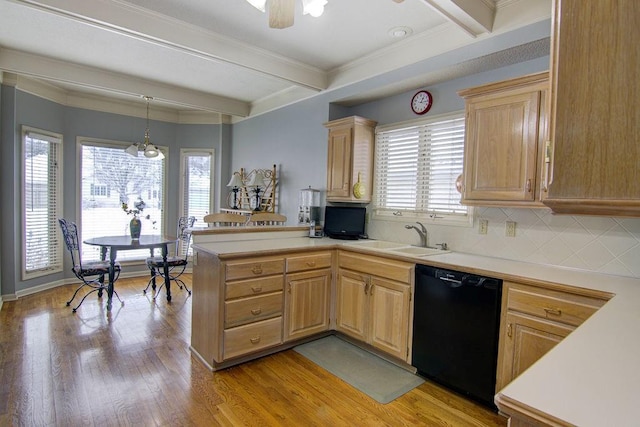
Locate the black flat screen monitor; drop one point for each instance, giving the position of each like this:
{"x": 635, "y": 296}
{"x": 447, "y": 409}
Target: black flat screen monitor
{"x": 344, "y": 222}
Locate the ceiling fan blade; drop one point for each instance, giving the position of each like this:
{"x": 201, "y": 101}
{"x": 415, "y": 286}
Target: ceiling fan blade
{"x": 281, "y": 13}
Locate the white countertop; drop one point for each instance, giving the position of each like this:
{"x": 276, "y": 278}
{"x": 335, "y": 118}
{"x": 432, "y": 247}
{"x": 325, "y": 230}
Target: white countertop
{"x": 592, "y": 378}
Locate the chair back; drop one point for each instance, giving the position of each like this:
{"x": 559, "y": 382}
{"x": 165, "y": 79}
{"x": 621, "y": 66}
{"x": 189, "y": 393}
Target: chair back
{"x": 184, "y": 237}
{"x": 225, "y": 219}
{"x": 267, "y": 218}
{"x": 71, "y": 241}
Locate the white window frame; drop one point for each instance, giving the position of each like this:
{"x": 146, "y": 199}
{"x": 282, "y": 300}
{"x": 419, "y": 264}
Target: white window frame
{"x": 407, "y": 214}
{"x": 184, "y": 154}
{"x": 125, "y": 257}
{"x": 56, "y": 250}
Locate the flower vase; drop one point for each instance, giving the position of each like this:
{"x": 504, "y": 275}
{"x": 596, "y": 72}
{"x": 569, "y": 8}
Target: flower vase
{"x": 135, "y": 226}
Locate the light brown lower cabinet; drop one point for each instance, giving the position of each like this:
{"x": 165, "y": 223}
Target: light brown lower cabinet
{"x": 534, "y": 320}
{"x": 307, "y": 304}
{"x": 307, "y": 295}
{"x": 373, "y": 309}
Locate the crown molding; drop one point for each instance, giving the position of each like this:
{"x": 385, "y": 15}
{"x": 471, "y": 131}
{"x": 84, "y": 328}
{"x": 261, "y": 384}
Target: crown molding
{"x": 86, "y": 101}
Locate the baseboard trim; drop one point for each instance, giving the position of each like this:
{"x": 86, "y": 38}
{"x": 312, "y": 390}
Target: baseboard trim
{"x": 51, "y": 285}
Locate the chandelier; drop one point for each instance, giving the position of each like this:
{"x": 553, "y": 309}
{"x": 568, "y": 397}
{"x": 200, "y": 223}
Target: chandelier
{"x": 147, "y": 147}
{"x": 281, "y": 11}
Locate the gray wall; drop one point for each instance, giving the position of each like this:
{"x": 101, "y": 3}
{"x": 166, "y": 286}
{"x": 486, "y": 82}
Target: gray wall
{"x": 73, "y": 122}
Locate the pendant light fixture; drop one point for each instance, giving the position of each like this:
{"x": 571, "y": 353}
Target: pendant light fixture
{"x": 148, "y": 148}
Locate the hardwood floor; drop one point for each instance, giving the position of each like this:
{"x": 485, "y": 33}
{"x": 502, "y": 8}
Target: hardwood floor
{"x": 133, "y": 367}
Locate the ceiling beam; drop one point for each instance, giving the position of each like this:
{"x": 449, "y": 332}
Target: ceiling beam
{"x": 473, "y": 16}
{"x": 142, "y": 24}
{"x": 61, "y": 71}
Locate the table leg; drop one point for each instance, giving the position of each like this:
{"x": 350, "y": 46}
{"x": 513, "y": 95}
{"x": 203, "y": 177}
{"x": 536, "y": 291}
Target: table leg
{"x": 112, "y": 272}
{"x": 167, "y": 279}
{"x": 153, "y": 271}
{"x": 103, "y": 257}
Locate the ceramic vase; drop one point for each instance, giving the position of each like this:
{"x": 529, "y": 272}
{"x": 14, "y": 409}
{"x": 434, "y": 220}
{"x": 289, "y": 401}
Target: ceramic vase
{"x": 135, "y": 226}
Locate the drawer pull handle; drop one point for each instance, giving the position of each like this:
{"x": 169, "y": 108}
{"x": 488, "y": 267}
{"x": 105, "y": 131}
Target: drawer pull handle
{"x": 529, "y": 185}
{"x": 554, "y": 311}
{"x": 256, "y": 289}
{"x": 311, "y": 263}
{"x": 509, "y": 331}
{"x": 255, "y": 340}
{"x": 257, "y": 269}
{"x": 256, "y": 311}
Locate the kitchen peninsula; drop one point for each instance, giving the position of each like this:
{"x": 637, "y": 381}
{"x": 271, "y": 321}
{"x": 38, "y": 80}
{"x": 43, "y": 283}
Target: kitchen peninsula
{"x": 589, "y": 378}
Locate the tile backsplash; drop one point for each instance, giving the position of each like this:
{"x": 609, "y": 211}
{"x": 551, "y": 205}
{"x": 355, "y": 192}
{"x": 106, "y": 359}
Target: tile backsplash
{"x": 604, "y": 244}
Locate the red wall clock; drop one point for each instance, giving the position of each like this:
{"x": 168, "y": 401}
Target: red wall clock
{"x": 421, "y": 102}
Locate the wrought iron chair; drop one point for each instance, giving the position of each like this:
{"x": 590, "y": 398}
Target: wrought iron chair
{"x": 90, "y": 273}
{"x": 177, "y": 263}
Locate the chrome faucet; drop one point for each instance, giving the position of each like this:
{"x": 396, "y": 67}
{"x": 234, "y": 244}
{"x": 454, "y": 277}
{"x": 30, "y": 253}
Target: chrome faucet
{"x": 422, "y": 231}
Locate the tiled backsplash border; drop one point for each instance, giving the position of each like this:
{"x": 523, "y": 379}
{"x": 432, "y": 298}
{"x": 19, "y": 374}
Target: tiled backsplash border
{"x": 603, "y": 244}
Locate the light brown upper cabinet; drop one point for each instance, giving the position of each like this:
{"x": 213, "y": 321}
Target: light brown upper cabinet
{"x": 595, "y": 108}
{"x": 506, "y": 129}
{"x": 350, "y": 160}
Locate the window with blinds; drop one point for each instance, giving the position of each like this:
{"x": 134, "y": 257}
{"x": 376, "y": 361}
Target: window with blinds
{"x": 197, "y": 185}
{"x": 42, "y": 251}
{"x": 416, "y": 167}
{"x": 109, "y": 177}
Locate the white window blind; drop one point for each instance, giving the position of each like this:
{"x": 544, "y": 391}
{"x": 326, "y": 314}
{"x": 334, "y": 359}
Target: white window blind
{"x": 196, "y": 184}
{"x": 42, "y": 252}
{"x": 119, "y": 177}
{"x": 416, "y": 169}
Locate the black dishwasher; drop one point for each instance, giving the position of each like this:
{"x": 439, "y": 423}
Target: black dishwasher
{"x": 455, "y": 330}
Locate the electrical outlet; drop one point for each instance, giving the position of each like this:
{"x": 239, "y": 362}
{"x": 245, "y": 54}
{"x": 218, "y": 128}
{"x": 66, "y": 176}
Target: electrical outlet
{"x": 483, "y": 226}
{"x": 510, "y": 229}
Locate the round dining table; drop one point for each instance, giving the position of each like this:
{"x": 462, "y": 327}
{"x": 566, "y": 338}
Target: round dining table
{"x": 113, "y": 244}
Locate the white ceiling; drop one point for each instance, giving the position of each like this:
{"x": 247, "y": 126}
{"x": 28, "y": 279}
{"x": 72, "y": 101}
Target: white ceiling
{"x": 221, "y": 56}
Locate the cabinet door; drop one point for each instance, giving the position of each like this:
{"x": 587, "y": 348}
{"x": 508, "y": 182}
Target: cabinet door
{"x": 501, "y": 146}
{"x": 352, "y": 304}
{"x": 595, "y": 108}
{"x": 339, "y": 163}
{"x": 389, "y": 316}
{"x": 307, "y": 303}
{"x": 526, "y": 340}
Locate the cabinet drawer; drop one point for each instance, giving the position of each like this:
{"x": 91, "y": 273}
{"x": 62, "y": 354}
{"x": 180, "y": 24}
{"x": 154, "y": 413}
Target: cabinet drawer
{"x": 247, "y": 310}
{"x": 254, "y": 268}
{"x": 562, "y": 307}
{"x": 308, "y": 262}
{"x": 252, "y": 337}
{"x": 377, "y": 266}
{"x": 252, "y": 287}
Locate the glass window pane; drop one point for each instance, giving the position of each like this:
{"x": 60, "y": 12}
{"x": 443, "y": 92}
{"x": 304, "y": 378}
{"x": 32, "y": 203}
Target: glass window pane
{"x": 109, "y": 177}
